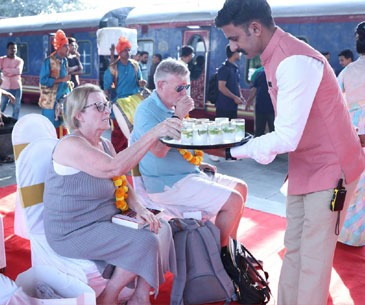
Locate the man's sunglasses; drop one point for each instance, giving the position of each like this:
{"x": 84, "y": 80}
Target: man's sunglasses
{"x": 100, "y": 106}
{"x": 181, "y": 88}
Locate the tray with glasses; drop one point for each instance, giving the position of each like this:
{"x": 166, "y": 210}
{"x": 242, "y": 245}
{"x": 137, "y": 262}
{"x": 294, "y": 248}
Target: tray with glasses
{"x": 205, "y": 134}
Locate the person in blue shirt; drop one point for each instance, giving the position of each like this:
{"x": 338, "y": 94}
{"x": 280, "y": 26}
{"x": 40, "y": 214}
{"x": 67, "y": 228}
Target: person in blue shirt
{"x": 125, "y": 76}
{"x": 171, "y": 181}
{"x": 230, "y": 95}
{"x": 53, "y": 79}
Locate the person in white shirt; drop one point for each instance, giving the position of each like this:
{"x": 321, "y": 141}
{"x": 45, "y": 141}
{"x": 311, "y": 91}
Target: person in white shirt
{"x": 313, "y": 125}
{"x": 353, "y": 78}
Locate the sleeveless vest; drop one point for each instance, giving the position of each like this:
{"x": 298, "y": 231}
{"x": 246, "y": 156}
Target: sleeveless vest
{"x": 329, "y": 144}
{"x": 114, "y": 70}
{"x": 48, "y": 95}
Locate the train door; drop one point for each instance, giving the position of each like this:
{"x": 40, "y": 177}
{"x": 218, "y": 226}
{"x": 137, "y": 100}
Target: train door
{"x": 199, "y": 40}
{"x": 148, "y": 46}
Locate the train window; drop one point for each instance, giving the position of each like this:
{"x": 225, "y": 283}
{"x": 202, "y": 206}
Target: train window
{"x": 85, "y": 53}
{"x": 23, "y": 54}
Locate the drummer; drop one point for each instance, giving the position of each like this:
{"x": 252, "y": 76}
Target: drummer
{"x": 176, "y": 179}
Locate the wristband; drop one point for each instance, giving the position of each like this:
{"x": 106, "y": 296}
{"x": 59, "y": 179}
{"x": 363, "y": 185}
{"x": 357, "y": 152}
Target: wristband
{"x": 228, "y": 155}
{"x": 175, "y": 116}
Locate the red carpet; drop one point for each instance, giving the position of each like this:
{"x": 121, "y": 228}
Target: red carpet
{"x": 262, "y": 233}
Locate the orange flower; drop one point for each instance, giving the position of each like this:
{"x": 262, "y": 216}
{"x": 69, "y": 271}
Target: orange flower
{"x": 196, "y": 159}
{"x": 199, "y": 153}
{"x": 121, "y": 192}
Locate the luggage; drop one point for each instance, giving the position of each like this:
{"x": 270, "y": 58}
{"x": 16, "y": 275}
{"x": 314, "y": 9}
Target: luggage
{"x": 201, "y": 277}
{"x": 244, "y": 270}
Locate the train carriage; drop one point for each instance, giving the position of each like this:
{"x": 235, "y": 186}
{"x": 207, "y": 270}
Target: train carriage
{"x": 326, "y": 25}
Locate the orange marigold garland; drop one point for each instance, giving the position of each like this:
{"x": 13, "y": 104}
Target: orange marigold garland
{"x": 121, "y": 192}
{"x": 195, "y": 159}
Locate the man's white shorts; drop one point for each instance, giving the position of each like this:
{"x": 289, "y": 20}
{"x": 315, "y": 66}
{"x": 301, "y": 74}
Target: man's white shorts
{"x": 194, "y": 193}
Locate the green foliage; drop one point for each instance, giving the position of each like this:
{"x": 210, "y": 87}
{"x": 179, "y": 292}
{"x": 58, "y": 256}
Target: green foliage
{"x": 17, "y": 8}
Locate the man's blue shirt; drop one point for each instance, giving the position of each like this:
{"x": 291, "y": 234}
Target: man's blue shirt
{"x": 158, "y": 172}
{"x": 126, "y": 83}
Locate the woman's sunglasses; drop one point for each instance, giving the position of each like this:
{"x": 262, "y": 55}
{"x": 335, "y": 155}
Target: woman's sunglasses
{"x": 100, "y": 106}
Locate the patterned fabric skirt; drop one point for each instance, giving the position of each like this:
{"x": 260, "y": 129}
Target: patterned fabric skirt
{"x": 353, "y": 231}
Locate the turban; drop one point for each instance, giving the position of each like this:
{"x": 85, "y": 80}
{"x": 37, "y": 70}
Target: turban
{"x": 122, "y": 44}
{"x": 59, "y": 40}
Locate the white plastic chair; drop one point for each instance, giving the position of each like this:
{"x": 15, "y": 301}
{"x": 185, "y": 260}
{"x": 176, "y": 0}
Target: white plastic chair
{"x": 27, "y": 129}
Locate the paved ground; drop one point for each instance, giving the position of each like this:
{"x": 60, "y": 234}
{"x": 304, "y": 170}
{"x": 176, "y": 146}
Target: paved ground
{"x": 264, "y": 181}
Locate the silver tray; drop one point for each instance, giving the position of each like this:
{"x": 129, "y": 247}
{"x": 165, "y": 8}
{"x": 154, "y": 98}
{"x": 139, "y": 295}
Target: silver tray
{"x": 177, "y": 143}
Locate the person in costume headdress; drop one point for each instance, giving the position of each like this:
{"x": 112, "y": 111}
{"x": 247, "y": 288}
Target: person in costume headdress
{"x": 54, "y": 79}
{"x": 123, "y": 74}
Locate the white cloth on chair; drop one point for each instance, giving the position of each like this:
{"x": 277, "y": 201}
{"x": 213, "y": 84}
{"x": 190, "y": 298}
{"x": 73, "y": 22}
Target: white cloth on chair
{"x": 26, "y": 130}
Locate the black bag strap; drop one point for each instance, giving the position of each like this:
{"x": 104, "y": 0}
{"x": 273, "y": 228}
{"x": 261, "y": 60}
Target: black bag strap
{"x": 257, "y": 262}
{"x": 267, "y": 292}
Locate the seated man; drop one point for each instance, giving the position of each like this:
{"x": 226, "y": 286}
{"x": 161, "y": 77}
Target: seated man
{"x": 170, "y": 180}
{"x": 10, "y": 97}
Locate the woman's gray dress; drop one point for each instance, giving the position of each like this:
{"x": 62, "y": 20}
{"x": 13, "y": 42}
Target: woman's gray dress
{"x": 77, "y": 221}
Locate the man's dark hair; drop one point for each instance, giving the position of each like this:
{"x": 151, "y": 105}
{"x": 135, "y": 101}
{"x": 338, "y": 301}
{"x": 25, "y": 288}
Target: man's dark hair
{"x": 324, "y": 53}
{"x": 347, "y": 53}
{"x": 11, "y": 43}
{"x": 143, "y": 53}
{"x": 159, "y": 56}
{"x": 243, "y": 12}
{"x": 360, "y": 42}
{"x": 186, "y": 51}
{"x": 71, "y": 40}
{"x": 229, "y": 53}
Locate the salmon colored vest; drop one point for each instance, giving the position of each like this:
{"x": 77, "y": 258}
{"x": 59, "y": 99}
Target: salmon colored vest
{"x": 329, "y": 144}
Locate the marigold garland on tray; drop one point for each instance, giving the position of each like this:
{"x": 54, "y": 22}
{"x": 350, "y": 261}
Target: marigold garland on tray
{"x": 121, "y": 192}
{"x": 195, "y": 159}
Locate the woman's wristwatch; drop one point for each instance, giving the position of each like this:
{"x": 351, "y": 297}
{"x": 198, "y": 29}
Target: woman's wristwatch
{"x": 228, "y": 154}
{"x": 175, "y": 116}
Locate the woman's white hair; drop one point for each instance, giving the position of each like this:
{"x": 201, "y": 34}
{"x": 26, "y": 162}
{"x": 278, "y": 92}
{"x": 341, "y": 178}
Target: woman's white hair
{"x": 76, "y": 101}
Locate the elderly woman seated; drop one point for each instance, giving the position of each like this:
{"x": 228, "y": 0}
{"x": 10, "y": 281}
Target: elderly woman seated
{"x": 80, "y": 200}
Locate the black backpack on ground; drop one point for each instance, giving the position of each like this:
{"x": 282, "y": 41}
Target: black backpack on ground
{"x": 244, "y": 270}
{"x": 213, "y": 90}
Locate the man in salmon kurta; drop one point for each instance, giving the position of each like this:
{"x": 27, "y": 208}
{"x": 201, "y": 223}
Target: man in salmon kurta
{"x": 313, "y": 125}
